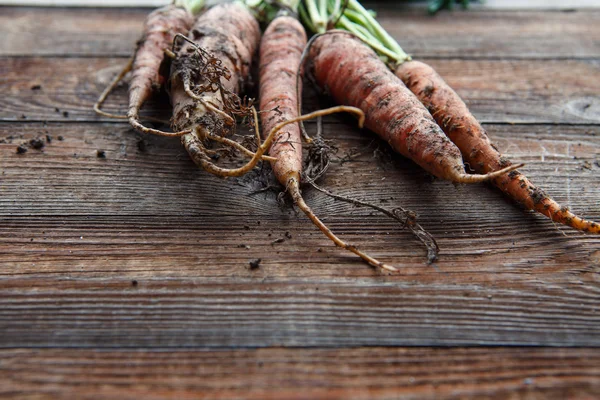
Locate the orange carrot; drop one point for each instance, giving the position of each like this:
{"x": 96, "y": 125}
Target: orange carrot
{"x": 354, "y": 75}
{"x": 466, "y": 132}
{"x": 280, "y": 53}
{"x": 160, "y": 28}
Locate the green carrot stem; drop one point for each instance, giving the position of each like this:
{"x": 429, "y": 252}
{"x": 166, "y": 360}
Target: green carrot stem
{"x": 367, "y": 37}
{"x": 381, "y": 33}
{"x": 335, "y": 9}
{"x": 316, "y": 16}
{"x": 305, "y": 18}
{"x": 267, "y": 10}
{"x": 323, "y": 9}
{"x": 290, "y": 4}
{"x": 358, "y": 19}
{"x": 193, "y": 6}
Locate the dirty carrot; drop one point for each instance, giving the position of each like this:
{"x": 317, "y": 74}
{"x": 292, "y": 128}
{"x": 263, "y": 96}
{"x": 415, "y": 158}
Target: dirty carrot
{"x": 466, "y": 132}
{"x": 160, "y": 28}
{"x": 281, "y": 50}
{"x": 453, "y": 116}
{"x": 208, "y": 71}
{"x": 354, "y": 75}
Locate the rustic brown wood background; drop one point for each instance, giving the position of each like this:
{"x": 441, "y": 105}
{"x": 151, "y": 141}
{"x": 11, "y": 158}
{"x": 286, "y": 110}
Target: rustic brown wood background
{"x": 127, "y": 277}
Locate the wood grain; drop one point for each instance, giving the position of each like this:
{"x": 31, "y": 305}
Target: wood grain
{"x": 158, "y": 177}
{"x": 367, "y": 373}
{"x": 77, "y": 230}
{"x": 254, "y": 310}
{"x": 481, "y": 34}
{"x": 556, "y": 91}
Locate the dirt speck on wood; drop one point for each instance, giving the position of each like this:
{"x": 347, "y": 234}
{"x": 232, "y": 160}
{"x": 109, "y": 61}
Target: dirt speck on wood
{"x": 37, "y": 143}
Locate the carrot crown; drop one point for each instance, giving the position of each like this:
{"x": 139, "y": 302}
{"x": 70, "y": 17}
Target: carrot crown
{"x": 351, "y": 16}
{"x": 193, "y": 6}
{"x": 267, "y": 10}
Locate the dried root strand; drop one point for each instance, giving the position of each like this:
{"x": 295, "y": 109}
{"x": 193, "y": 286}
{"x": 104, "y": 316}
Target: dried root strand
{"x": 239, "y": 147}
{"x": 319, "y": 155}
{"x": 134, "y": 122}
{"x": 197, "y": 151}
{"x": 201, "y": 66}
{"x": 111, "y": 86}
{"x": 406, "y": 217}
{"x": 293, "y": 187}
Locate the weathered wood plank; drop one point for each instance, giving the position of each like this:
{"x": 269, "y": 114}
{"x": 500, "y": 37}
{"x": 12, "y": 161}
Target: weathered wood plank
{"x": 258, "y": 311}
{"x": 481, "y": 34}
{"x": 75, "y": 232}
{"x": 363, "y": 373}
{"x": 515, "y": 34}
{"x": 151, "y": 173}
{"x": 496, "y": 91}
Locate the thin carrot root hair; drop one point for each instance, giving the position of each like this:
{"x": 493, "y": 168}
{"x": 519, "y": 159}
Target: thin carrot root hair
{"x": 134, "y": 121}
{"x": 111, "y": 86}
{"x": 406, "y": 217}
{"x": 198, "y": 151}
{"x": 293, "y": 187}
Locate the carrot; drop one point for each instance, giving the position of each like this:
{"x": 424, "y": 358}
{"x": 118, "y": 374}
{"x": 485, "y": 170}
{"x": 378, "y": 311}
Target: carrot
{"x": 281, "y": 50}
{"x": 354, "y": 75}
{"x": 208, "y": 71}
{"x": 453, "y": 116}
{"x": 160, "y": 28}
{"x": 466, "y": 132}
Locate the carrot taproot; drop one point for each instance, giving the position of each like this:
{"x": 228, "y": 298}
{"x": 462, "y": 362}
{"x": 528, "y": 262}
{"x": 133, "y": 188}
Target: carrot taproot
{"x": 453, "y": 115}
{"x": 354, "y": 75}
{"x": 281, "y": 51}
{"x": 160, "y": 28}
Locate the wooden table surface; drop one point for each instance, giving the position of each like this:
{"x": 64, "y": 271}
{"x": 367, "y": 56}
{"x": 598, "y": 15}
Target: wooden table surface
{"x": 127, "y": 277}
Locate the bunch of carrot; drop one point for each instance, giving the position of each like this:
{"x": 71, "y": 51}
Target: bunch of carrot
{"x": 204, "y": 62}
